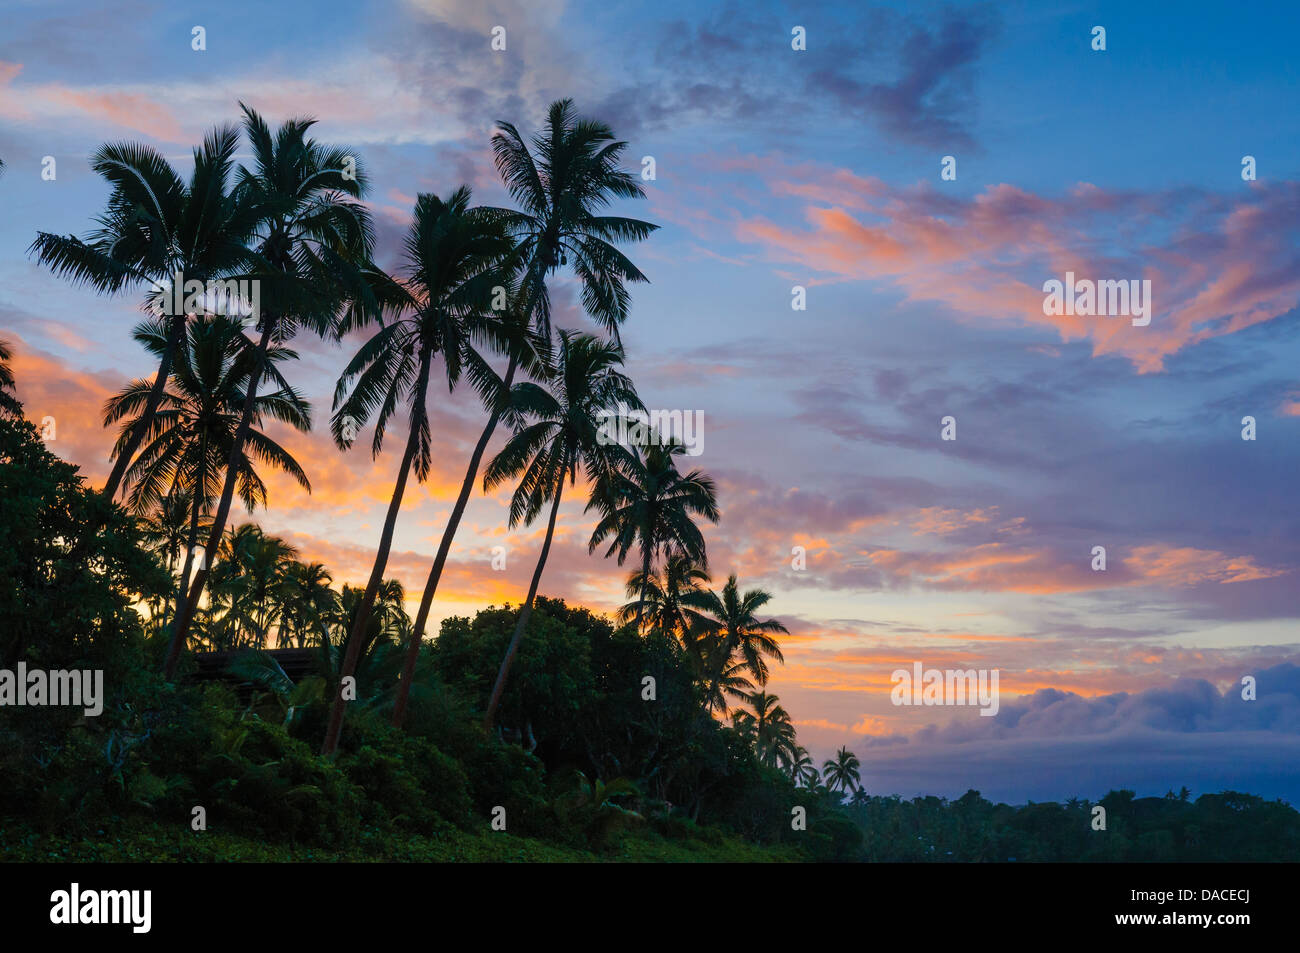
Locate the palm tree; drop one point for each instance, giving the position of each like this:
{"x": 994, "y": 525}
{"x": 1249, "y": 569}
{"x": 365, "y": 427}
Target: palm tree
{"x": 155, "y": 227}
{"x": 733, "y": 681}
{"x": 768, "y": 724}
{"x": 574, "y": 175}
{"x": 310, "y": 604}
{"x": 663, "y": 597}
{"x": 735, "y": 639}
{"x": 8, "y": 402}
{"x": 800, "y": 765}
{"x": 169, "y": 533}
{"x": 248, "y": 581}
{"x": 842, "y": 773}
{"x": 650, "y": 504}
{"x": 585, "y": 379}
{"x": 313, "y": 240}
{"x": 456, "y": 256}
{"x": 189, "y": 439}
{"x": 379, "y": 657}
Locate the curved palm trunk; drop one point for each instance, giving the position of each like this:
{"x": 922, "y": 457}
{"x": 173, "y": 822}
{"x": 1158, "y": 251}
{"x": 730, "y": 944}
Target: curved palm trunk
{"x": 645, "y": 589}
{"x": 353, "y": 653}
{"x": 188, "y": 565}
{"x": 174, "y": 335}
{"x": 440, "y": 560}
{"x": 724, "y": 656}
{"x": 185, "y": 615}
{"x": 504, "y": 672}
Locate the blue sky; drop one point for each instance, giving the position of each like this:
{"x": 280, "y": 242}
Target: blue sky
{"x": 821, "y": 169}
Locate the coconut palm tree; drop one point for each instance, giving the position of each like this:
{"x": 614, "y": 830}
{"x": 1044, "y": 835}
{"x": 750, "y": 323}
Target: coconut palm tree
{"x": 550, "y": 450}
{"x": 662, "y": 598}
{"x": 379, "y": 658}
{"x": 768, "y": 725}
{"x": 157, "y": 226}
{"x": 650, "y": 504}
{"x": 456, "y": 257}
{"x": 309, "y": 605}
{"x": 732, "y": 682}
{"x": 8, "y": 402}
{"x": 189, "y": 439}
{"x": 248, "y": 580}
{"x": 172, "y": 530}
{"x": 312, "y": 237}
{"x": 735, "y": 639}
{"x": 800, "y": 765}
{"x": 571, "y": 173}
{"x": 843, "y": 773}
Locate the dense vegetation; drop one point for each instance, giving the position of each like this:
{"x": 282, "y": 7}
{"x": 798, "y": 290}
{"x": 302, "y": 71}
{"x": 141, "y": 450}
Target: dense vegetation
{"x": 536, "y": 731}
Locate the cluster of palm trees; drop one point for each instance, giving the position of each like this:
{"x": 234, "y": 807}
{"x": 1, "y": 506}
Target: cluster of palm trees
{"x": 471, "y": 290}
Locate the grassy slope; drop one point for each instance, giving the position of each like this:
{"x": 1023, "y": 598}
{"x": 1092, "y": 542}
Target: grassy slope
{"x": 152, "y": 842}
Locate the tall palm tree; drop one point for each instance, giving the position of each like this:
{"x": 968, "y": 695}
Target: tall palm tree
{"x": 735, "y": 639}
{"x": 189, "y": 439}
{"x": 843, "y": 773}
{"x": 650, "y": 504}
{"x": 571, "y": 173}
{"x": 550, "y": 450}
{"x": 313, "y": 241}
{"x": 456, "y": 256}
{"x": 155, "y": 226}
{"x": 662, "y": 597}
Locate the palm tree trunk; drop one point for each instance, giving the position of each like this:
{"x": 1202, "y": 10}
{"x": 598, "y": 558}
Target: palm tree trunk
{"x": 353, "y": 652}
{"x": 724, "y": 657}
{"x": 645, "y": 588}
{"x": 440, "y": 560}
{"x": 504, "y": 672}
{"x": 174, "y": 334}
{"x": 185, "y": 615}
{"x": 189, "y": 554}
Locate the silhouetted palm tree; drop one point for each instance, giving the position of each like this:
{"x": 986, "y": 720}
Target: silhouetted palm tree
{"x": 768, "y": 725}
{"x": 663, "y": 596}
{"x": 246, "y": 596}
{"x": 650, "y": 504}
{"x": 735, "y": 639}
{"x": 157, "y": 226}
{"x": 842, "y": 773}
{"x": 8, "y": 402}
{"x": 550, "y": 450}
{"x": 312, "y": 240}
{"x": 189, "y": 439}
{"x": 456, "y": 257}
{"x": 573, "y": 175}
{"x": 800, "y": 765}
{"x": 309, "y": 605}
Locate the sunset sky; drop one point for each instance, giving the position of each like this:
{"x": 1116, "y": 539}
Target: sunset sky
{"x": 818, "y": 168}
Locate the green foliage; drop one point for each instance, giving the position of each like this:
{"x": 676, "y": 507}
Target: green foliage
{"x": 56, "y": 612}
